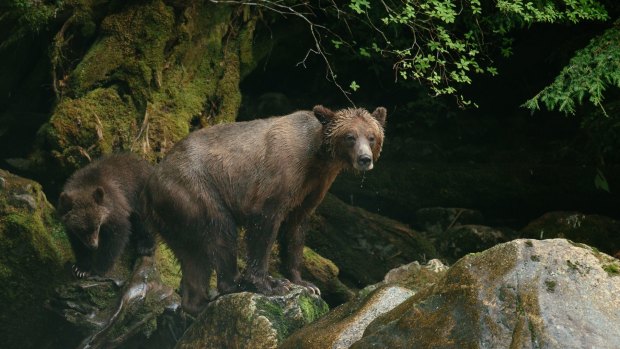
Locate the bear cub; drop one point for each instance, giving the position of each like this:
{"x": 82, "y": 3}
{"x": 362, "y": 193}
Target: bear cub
{"x": 98, "y": 208}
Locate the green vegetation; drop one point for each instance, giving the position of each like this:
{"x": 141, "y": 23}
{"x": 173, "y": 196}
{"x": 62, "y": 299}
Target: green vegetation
{"x": 612, "y": 269}
{"x": 33, "y": 251}
{"x": 441, "y": 43}
{"x": 589, "y": 73}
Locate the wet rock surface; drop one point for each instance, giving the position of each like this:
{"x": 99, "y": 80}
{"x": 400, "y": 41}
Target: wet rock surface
{"x": 346, "y": 324}
{"x": 522, "y": 294}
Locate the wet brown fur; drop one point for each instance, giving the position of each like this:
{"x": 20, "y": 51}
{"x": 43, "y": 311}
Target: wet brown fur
{"x": 100, "y": 203}
{"x": 266, "y": 175}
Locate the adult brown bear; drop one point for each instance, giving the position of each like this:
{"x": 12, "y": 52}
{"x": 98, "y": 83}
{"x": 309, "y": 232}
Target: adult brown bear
{"x": 265, "y": 175}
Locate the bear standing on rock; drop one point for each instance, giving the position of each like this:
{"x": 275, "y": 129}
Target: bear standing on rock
{"x": 265, "y": 175}
{"x": 98, "y": 207}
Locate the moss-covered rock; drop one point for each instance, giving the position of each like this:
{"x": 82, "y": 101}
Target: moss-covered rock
{"x": 520, "y": 294}
{"x": 345, "y": 325}
{"x": 33, "y": 252}
{"x": 152, "y": 71}
{"x": 250, "y": 320}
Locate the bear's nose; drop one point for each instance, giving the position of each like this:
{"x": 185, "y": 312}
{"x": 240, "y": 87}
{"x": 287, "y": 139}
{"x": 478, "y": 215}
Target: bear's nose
{"x": 364, "y": 160}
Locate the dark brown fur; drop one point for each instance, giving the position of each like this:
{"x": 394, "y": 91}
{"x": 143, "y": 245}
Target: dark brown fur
{"x": 266, "y": 175}
{"x": 98, "y": 207}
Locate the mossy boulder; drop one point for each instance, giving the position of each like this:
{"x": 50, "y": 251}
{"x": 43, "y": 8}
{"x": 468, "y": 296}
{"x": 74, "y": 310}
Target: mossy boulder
{"x": 250, "y": 320}
{"x": 520, "y": 294}
{"x": 345, "y": 325}
{"x": 362, "y": 244}
{"x": 150, "y": 72}
{"x": 33, "y": 252}
{"x": 591, "y": 229}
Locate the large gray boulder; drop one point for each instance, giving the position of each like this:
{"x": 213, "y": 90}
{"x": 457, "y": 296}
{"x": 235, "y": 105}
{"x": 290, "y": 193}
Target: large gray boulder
{"x": 520, "y": 294}
{"x": 346, "y": 324}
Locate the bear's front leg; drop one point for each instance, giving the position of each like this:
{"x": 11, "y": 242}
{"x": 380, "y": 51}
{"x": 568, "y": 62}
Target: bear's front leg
{"x": 144, "y": 239}
{"x": 259, "y": 241}
{"x": 83, "y": 258}
{"x": 291, "y": 239}
{"x": 113, "y": 238}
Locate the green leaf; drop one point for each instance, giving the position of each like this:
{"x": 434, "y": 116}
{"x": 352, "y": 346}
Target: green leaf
{"x": 354, "y": 86}
{"x": 600, "y": 182}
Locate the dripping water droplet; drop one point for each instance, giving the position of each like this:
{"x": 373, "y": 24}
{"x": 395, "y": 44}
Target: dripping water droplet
{"x": 363, "y": 178}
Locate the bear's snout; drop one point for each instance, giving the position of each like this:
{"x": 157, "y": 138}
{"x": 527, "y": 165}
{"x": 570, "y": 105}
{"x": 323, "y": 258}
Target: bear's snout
{"x": 364, "y": 162}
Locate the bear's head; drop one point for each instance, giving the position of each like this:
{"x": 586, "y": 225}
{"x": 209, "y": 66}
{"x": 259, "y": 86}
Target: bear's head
{"x": 82, "y": 213}
{"x": 353, "y": 135}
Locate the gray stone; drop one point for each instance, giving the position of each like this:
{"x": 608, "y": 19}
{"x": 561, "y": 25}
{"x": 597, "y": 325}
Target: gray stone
{"x": 346, "y": 324}
{"x": 520, "y": 294}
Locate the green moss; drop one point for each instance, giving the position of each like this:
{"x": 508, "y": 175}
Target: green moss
{"x": 535, "y": 258}
{"x": 312, "y": 308}
{"x": 33, "y": 251}
{"x": 612, "y": 269}
{"x": 529, "y": 243}
{"x": 550, "y": 284}
{"x": 168, "y": 266}
{"x": 149, "y": 75}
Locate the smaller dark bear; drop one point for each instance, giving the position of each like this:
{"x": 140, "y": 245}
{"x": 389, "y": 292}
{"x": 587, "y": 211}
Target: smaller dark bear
{"x": 98, "y": 207}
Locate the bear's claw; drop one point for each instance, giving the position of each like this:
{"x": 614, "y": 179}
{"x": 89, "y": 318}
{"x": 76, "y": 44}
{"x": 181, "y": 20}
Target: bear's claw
{"x": 80, "y": 274}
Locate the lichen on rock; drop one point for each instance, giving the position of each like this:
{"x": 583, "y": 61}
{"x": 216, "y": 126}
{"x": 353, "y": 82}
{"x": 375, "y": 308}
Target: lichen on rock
{"x": 250, "y": 320}
{"x": 503, "y": 297}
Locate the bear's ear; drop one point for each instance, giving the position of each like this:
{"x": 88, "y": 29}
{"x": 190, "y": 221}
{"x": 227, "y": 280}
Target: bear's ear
{"x": 324, "y": 115}
{"x": 380, "y": 114}
{"x": 65, "y": 202}
{"x": 98, "y": 195}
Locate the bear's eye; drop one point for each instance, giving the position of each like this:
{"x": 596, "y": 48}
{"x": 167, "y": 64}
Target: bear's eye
{"x": 371, "y": 139}
{"x": 350, "y": 138}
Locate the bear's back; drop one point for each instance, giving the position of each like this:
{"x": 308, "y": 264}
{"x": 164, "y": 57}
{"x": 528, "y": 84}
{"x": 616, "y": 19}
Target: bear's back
{"x": 119, "y": 174}
{"x": 247, "y": 146}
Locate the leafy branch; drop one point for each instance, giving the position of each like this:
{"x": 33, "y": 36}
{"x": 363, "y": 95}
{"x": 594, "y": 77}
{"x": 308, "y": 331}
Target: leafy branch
{"x": 589, "y": 73}
{"x": 440, "y": 43}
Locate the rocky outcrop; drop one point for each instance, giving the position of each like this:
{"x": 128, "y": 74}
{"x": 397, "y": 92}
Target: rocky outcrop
{"x": 362, "y": 244}
{"x": 33, "y": 251}
{"x": 250, "y": 320}
{"x": 520, "y": 294}
{"x": 591, "y": 229}
{"x": 345, "y": 325}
